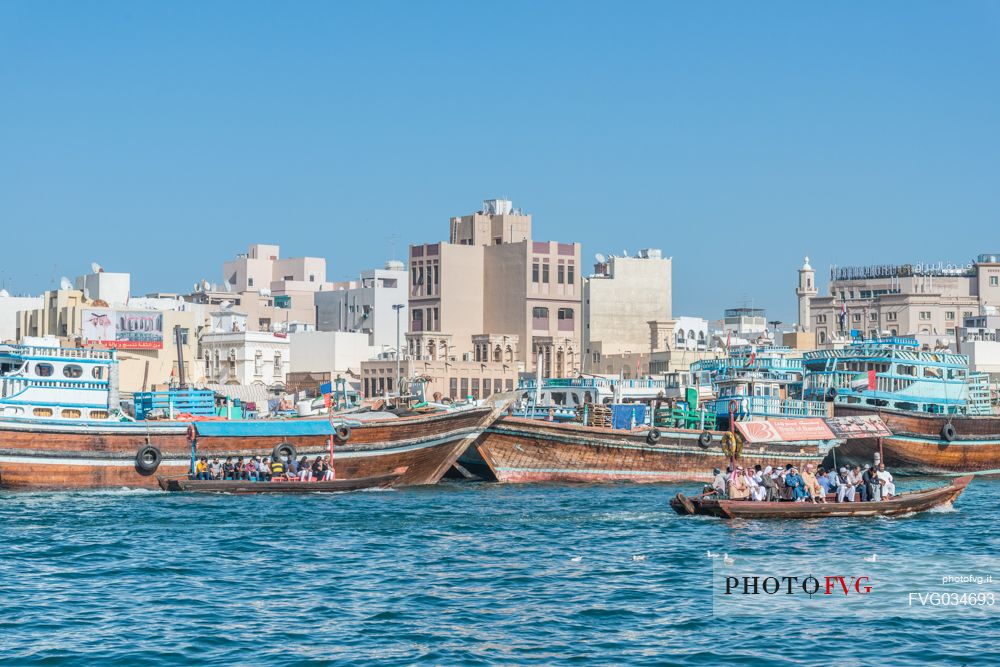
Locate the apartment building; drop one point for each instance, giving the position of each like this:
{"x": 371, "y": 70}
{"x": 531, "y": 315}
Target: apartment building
{"x": 366, "y": 306}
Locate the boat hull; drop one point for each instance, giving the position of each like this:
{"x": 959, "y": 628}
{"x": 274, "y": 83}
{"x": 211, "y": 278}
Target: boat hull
{"x": 48, "y": 455}
{"x": 185, "y": 485}
{"x": 906, "y": 503}
{"x": 521, "y": 450}
{"x": 916, "y": 446}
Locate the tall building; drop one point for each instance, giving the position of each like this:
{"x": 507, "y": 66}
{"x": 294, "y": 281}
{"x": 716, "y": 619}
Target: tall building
{"x": 366, "y": 306}
{"x": 929, "y": 300}
{"x": 485, "y": 305}
{"x": 620, "y": 299}
{"x": 805, "y": 291}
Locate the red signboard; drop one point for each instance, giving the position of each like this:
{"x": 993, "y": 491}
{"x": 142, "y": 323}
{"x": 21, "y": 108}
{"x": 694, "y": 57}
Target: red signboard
{"x": 785, "y": 430}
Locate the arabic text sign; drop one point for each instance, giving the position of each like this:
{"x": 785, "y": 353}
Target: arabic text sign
{"x": 123, "y": 329}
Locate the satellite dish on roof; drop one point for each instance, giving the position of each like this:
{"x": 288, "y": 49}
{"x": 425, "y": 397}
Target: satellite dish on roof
{"x": 265, "y": 291}
{"x": 624, "y": 253}
{"x": 96, "y": 268}
{"x": 226, "y": 305}
{"x": 205, "y": 284}
{"x": 600, "y": 258}
{"x": 65, "y": 284}
{"x": 4, "y": 294}
{"x": 226, "y": 287}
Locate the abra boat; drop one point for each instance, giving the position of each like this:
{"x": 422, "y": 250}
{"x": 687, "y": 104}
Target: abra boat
{"x": 938, "y": 412}
{"x": 904, "y": 503}
{"x": 61, "y": 428}
{"x": 183, "y": 484}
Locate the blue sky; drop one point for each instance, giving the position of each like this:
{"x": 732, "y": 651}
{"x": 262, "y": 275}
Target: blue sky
{"x": 163, "y": 138}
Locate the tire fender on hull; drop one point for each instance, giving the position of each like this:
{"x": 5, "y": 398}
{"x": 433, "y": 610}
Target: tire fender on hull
{"x": 148, "y": 459}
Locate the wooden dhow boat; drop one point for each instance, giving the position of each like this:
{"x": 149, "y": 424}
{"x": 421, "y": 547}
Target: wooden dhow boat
{"x": 243, "y": 487}
{"x": 519, "y": 449}
{"x": 61, "y": 428}
{"x": 905, "y": 503}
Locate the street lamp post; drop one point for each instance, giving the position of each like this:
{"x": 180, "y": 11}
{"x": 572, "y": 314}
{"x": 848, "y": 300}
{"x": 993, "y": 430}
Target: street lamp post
{"x": 397, "y": 307}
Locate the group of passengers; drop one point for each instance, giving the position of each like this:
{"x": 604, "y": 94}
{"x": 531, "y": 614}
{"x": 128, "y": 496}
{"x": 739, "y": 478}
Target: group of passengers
{"x": 264, "y": 469}
{"x": 788, "y": 483}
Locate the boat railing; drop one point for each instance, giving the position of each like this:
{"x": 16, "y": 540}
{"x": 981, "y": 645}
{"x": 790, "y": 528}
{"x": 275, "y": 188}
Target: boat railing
{"x": 768, "y": 406}
{"x": 16, "y": 385}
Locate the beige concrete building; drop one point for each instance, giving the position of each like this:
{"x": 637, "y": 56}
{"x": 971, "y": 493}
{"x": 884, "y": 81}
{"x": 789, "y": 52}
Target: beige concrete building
{"x": 493, "y": 281}
{"x": 620, "y": 299}
{"x": 924, "y": 300}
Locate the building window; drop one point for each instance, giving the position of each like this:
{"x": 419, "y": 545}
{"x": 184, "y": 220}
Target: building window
{"x": 560, "y": 274}
{"x": 453, "y": 388}
{"x": 994, "y": 281}
{"x": 822, "y": 336}
{"x": 465, "y": 388}
{"x": 564, "y": 314}
{"x": 540, "y": 313}
{"x": 820, "y": 319}
{"x": 966, "y": 313}
{"x": 890, "y": 316}
{"x": 534, "y": 272}
{"x": 949, "y": 315}
{"x": 925, "y": 314}
{"x": 570, "y": 273}
{"x": 873, "y": 317}
{"x": 545, "y": 272}
{"x": 249, "y": 282}
{"x": 856, "y": 317}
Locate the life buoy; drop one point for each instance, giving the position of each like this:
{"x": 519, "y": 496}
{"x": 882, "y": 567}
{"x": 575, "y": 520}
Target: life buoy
{"x": 948, "y": 432}
{"x": 192, "y": 433}
{"x": 732, "y": 446}
{"x": 705, "y": 439}
{"x": 283, "y": 451}
{"x": 733, "y": 406}
{"x": 343, "y": 432}
{"x": 653, "y": 436}
{"x": 148, "y": 459}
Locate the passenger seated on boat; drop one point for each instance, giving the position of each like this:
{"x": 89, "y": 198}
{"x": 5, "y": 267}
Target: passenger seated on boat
{"x": 719, "y": 483}
{"x": 813, "y": 487}
{"x": 328, "y": 472}
{"x": 200, "y": 469}
{"x": 823, "y": 479}
{"x": 250, "y": 470}
{"x": 780, "y": 488}
{"x": 795, "y": 483}
{"x": 277, "y": 469}
{"x": 291, "y": 468}
{"x": 317, "y": 468}
{"x": 769, "y": 485}
{"x": 872, "y": 488}
{"x": 738, "y": 489}
{"x": 264, "y": 469}
{"x": 885, "y": 480}
{"x": 227, "y": 468}
{"x": 215, "y": 469}
{"x": 854, "y": 477}
{"x": 756, "y": 492}
{"x": 240, "y": 469}
{"x": 833, "y": 476}
{"x": 845, "y": 487}
{"x": 305, "y": 470}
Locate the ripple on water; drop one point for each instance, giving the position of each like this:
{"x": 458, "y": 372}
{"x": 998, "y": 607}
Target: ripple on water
{"x": 470, "y": 574}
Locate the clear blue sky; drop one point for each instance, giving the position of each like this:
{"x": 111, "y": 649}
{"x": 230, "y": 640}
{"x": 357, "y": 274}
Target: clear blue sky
{"x": 162, "y": 138}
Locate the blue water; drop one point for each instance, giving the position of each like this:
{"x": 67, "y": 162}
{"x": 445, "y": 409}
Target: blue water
{"x": 468, "y": 574}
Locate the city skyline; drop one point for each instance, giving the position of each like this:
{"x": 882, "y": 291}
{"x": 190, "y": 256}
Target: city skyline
{"x": 737, "y": 141}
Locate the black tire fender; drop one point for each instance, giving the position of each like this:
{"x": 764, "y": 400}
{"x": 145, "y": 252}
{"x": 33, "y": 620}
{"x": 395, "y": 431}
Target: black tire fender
{"x": 148, "y": 459}
{"x": 653, "y": 436}
{"x": 343, "y": 432}
{"x": 948, "y": 432}
{"x": 705, "y": 439}
{"x": 283, "y": 451}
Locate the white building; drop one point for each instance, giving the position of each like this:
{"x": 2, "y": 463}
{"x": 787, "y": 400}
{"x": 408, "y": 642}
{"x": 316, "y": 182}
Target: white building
{"x": 232, "y": 355}
{"x": 112, "y": 288}
{"x": 365, "y": 306}
{"x": 9, "y": 307}
{"x": 691, "y": 333}
{"x": 334, "y": 352}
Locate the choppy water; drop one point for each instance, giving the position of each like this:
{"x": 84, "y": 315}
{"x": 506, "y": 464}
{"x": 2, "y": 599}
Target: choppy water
{"x": 453, "y": 574}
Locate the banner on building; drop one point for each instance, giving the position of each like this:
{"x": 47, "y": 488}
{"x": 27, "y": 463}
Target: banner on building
{"x": 123, "y": 329}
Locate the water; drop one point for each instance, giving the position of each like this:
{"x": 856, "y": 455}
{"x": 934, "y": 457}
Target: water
{"x": 455, "y": 574}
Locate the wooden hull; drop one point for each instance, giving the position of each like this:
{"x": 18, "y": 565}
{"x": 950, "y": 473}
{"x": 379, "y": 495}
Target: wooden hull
{"x": 246, "y": 487}
{"x": 905, "y": 503}
{"x": 49, "y": 455}
{"x": 524, "y": 450}
{"x": 916, "y": 446}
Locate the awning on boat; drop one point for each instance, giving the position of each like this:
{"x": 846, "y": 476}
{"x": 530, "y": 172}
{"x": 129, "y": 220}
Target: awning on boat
{"x": 264, "y": 428}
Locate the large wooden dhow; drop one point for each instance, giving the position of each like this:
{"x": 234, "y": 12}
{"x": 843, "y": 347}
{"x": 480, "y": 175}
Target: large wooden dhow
{"x": 528, "y": 450}
{"x": 47, "y": 455}
{"x": 928, "y": 444}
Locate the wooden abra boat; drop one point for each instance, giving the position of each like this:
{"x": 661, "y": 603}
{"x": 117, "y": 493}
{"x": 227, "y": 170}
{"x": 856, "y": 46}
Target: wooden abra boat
{"x": 518, "y": 449}
{"x": 243, "y": 486}
{"x": 904, "y": 503}
{"x": 928, "y": 444}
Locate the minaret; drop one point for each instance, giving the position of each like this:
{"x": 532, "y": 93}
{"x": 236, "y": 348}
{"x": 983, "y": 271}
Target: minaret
{"x": 805, "y": 291}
